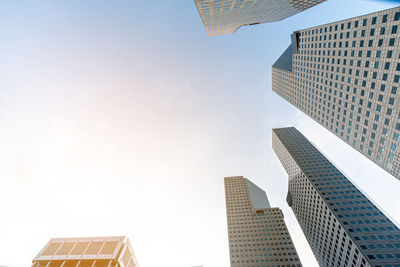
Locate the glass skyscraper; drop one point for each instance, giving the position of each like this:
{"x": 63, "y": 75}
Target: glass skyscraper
{"x": 342, "y": 226}
{"x": 258, "y": 236}
{"x": 226, "y": 16}
{"x": 345, "y": 75}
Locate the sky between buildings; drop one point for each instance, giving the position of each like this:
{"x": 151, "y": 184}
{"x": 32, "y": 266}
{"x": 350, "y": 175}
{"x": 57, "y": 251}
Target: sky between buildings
{"x": 123, "y": 117}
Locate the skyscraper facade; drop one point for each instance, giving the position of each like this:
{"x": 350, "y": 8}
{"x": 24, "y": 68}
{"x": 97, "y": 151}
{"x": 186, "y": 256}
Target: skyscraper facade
{"x": 113, "y": 251}
{"x": 226, "y": 16}
{"x": 342, "y": 226}
{"x": 258, "y": 236}
{"x": 345, "y": 75}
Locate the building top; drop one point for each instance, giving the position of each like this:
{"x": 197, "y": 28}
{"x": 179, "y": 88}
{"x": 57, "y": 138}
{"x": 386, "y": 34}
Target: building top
{"x": 257, "y": 197}
{"x": 226, "y": 16}
{"x": 284, "y": 62}
{"x": 253, "y": 224}
{"x": 81, "y": 248}
{"x": 352, "y": 18}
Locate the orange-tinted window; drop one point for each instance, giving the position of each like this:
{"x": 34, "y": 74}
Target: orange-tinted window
{"x": 55, "y": 263}
{"x": 126, "y": 257}
{"x": 102, "y": 263}
{"x": 65, "y": 249}
{"x": 94, "y": 248}
{"x": 79, "y": 248}
{"x": 86, "y": 264}
{"x": 71, "y": 263}
{"x": 51, "y": 249}
{"x": 109, "y": 247}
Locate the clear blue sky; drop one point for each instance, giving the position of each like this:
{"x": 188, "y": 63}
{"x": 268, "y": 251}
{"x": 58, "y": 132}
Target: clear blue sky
{"x": 123, "y": 117}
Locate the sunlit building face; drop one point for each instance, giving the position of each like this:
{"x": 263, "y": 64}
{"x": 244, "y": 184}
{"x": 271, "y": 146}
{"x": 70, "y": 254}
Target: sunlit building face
{"x": 88, "y": 251}
{"x": 226, "y": 16}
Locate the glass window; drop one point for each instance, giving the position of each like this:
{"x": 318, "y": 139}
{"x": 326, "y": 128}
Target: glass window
{"x": 396, "y": 16}
{"x": 372, "y": 32}
{"x": 393, "y": 146}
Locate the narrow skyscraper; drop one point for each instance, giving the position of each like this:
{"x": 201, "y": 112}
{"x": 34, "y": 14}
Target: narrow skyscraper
{"x": 115, "y": 251}
{"x": 226, "y": 16}
{"x": 345, "y": 75}
{"x": 342, "y": 226}
{"x": 257, "y": 233}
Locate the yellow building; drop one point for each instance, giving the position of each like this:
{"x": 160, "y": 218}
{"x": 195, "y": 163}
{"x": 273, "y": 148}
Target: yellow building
{"x": 115, "y": 251}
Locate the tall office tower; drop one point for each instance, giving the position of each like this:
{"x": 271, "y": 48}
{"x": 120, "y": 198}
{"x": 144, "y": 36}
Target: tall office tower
{"x": 115, "y": 251}
{"x": 342, "y": 226}
{"x": 345, "y": 75}
{"x": 226, "y": 16}
{"x": 257, "y": 233}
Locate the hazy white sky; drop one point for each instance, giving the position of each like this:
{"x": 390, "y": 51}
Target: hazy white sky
{"x": 123, "y": 117}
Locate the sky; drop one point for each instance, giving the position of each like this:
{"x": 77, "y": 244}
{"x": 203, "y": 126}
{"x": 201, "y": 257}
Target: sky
{"x": 122, "y": 118}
